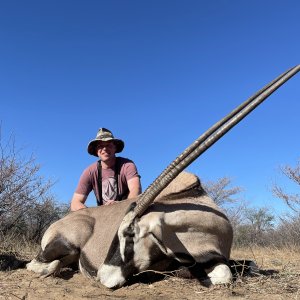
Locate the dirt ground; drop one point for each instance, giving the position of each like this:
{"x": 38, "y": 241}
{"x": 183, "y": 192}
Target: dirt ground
{"x": 279, "y": 279}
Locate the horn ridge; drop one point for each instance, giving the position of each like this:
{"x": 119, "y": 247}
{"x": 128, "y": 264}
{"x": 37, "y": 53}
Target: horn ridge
{"x": 206, "y": 140}
{"x": 212, "y": 129}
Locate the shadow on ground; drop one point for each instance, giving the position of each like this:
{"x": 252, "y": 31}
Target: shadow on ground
{"x": 9, "y": 261}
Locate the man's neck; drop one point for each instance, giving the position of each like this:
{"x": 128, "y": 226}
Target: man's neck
{"x": 109, "y": 164}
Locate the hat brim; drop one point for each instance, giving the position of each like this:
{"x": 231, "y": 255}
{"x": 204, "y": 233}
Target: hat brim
{"x": 92, "y": 145}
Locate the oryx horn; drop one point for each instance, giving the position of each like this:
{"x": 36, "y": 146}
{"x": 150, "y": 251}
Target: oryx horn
{"x": 207, "y": 139}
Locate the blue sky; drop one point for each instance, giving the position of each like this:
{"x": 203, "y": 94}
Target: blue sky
{"x": 158, "y": 74}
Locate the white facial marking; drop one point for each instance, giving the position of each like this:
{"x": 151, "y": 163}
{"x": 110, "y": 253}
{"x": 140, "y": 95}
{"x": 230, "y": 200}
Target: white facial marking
{"x": 122, "y": 241}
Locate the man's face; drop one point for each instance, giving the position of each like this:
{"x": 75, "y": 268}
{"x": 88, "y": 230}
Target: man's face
{"x": 106, "y": 150}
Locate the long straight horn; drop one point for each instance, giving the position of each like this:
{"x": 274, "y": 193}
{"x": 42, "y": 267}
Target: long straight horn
{"x": 210, "y": 131}
{"x": 207, "y": 139}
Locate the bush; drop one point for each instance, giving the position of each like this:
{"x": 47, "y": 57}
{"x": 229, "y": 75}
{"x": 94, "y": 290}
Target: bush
{"x": 27, "y": 206}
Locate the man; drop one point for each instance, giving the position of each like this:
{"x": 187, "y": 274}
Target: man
{"x": 112, "y": 178}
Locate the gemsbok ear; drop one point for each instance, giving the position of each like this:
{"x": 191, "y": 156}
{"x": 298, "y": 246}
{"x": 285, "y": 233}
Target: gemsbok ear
{"x": 157, "y": 239}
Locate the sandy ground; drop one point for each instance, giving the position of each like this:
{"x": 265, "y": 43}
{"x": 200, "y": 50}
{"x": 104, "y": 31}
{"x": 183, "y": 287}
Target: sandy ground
{"x": 279, "y": 279}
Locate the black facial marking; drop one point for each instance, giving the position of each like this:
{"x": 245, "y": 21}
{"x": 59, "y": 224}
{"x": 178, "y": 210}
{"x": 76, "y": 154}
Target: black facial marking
{"x": 127, "y": 267}
{"x": 129, "y": 243}
{"x": 114, "y": 254}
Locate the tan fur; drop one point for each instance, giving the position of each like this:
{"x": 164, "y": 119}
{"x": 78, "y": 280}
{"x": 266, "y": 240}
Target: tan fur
{"x": 184, "y": 181}
{"x": 191, "y": 224}
{"x": 92, "y": 229}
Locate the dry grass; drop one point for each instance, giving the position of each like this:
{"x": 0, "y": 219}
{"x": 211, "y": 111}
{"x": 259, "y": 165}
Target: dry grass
{"x": 279, "y": 276}
{"x": 282, "y": 260}
{"x": 17, "y": 245}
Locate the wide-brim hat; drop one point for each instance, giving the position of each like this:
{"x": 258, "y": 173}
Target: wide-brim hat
{"x": 104, "y": 135}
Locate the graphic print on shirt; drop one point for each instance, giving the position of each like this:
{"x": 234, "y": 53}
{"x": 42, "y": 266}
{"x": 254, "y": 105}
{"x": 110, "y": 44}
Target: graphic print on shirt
{"x": 109, "y": 189}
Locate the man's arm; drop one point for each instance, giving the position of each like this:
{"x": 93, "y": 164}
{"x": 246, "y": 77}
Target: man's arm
{"x": 78, "y": 201}
{"x": 134, "y": 186}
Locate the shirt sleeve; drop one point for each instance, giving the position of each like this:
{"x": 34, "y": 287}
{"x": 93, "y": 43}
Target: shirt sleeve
{"x": 85, "y": 185}
{"x": 130, "y": 170}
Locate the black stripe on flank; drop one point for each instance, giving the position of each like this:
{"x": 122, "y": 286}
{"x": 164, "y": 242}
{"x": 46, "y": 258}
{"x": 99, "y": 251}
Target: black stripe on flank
{"x": 171, "y": 207}
{"x": 213, "y": 258}
{"x": 184, "y": 258}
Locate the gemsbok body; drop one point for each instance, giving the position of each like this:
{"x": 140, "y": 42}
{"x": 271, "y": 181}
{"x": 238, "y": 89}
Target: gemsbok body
{"x": 183, "y": 224}
{"x": 173, "y": 220}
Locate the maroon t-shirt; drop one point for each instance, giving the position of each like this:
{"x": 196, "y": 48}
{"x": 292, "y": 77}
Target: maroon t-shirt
{"x": 89, "y": 180}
